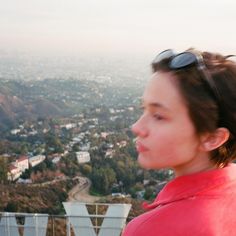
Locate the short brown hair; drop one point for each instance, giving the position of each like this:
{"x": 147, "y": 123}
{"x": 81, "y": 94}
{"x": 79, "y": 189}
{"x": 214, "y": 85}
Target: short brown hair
{"x": 206, "y": 112}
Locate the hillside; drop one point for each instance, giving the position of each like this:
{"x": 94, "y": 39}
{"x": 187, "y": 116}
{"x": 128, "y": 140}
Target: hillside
{"x": 34, "y": 198}
{"x": 27, "y": 100}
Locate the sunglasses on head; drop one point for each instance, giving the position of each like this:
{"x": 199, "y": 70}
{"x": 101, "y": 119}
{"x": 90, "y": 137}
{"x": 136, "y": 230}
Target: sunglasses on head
{"x": 187, "y": 59}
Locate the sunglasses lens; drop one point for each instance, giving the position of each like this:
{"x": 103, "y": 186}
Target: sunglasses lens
{"x": 182, "y": 60}
{"x": 163, "y": 55}
{"x": 185, "y": 59}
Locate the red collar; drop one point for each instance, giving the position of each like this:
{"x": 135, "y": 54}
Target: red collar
{"x": 188, "y": 186}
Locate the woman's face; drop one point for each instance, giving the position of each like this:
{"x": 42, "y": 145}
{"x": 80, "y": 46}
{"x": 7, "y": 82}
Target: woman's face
{"x": 166, "y": 137}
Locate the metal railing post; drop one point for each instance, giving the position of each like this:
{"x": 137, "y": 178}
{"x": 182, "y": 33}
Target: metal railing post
{"x": 67, "y": 226}
{"x": 36, "y": 224}
{"x": 8, "y": 226}
{"x": 96, "y": 220}
{"x": 52, "y": 219}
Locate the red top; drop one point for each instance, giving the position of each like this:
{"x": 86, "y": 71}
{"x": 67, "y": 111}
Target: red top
{"x": 201, "y": 204}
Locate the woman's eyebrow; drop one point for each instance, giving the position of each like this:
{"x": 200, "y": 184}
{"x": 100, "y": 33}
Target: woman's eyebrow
{"x": 154, "y": 105}
{"x": 157, "y": 105}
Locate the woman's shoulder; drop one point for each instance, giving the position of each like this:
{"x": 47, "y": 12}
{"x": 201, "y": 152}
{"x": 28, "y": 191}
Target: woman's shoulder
{"x": 163, "y": 220}
{"x": 204, "y": 198}
{"x": 196, "y": 215}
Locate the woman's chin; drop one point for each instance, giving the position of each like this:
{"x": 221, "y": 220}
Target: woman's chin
{"x": 142, "y": 161}
{"x": 147, "y": 164}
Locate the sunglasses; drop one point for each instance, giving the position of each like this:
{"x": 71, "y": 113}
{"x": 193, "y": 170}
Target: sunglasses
{"x": 187, "y": 59}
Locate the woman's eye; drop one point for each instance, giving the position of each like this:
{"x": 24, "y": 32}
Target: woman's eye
{"x": 158, "y": 117}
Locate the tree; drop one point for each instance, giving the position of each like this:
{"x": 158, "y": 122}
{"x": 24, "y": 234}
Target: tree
{"x": 26, "y": 174}
{"x": 50, "y": 164}
{"x": 86, "y": 169}
{"x": 103, "y": 179}
{"x": 12, "y": 206}
{"x": 3, "y": 170}
{"x": 53, "y": 144}
{"x": 149, "y": 193}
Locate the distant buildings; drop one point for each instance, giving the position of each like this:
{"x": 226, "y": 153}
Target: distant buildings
{"x": 109, "y": 153}
{"x": 13, "y": 173}
{"x": 22, "y": 163}
{"x": 35, "y": 160}
{"x": 15, "y": 131}
{"x": 17, "y": 167}
{"x": 68, "y": 126}
{"x": 83, "y": 157}
{"x": 104, "y": 134}
{"x": 56, "y": 159}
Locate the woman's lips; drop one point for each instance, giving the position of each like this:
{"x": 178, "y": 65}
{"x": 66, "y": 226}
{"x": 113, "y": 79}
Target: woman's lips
{"x": 140, "y": 147}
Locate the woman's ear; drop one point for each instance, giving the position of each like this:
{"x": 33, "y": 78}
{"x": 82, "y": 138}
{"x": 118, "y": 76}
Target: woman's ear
{"x": 212, "y": 141}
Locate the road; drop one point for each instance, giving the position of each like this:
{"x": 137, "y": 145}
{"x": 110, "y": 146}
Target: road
{"x": 80, "y": 193}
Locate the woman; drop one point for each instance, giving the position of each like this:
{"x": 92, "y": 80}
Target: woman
{"x": 189, "y": 125}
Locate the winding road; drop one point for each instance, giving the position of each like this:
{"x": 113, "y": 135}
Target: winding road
{"x": 80, "y": 193}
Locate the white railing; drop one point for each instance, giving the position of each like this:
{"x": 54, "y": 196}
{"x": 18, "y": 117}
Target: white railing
{"x": 77, "y": 221}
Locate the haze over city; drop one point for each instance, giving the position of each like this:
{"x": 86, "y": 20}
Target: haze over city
{"x": 112, "y": 27}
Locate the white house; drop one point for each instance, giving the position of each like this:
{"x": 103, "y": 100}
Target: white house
{"x": 83, "y": 157}
{"x": 122, "y": 143}
{"x": 13, "y": 173}
{"x": 56, "y": 159}
{"x": 35, "y": 160}
{"x": 68, "y": 126}
{"x": 109, "y": 153}
{"x": 22, "y": 163}
{"x": 15, "y": 131}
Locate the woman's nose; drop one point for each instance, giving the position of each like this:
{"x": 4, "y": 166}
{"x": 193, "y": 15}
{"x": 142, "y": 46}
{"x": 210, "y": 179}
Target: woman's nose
{"x": 139, "y": 128}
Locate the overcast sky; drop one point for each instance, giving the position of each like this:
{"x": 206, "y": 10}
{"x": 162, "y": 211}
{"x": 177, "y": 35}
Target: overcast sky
{"x": 117, "y": 26}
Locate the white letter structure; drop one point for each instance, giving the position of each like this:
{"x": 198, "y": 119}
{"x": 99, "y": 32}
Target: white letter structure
{"x": 112, "y": 225}
{"x": 35, "y": 224}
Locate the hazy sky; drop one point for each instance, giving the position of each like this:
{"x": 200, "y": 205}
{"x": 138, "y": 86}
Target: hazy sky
{"x": 117, "y": 26}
